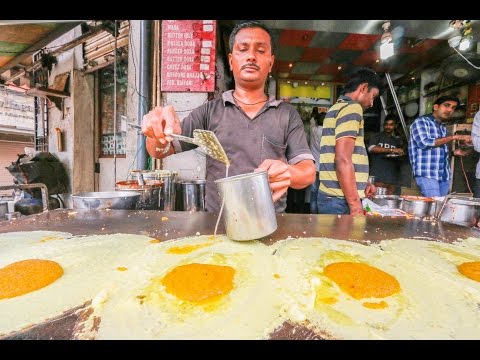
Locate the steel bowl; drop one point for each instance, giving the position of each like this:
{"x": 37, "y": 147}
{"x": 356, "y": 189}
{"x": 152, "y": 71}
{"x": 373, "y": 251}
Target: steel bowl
{"x": 122, "y": 200}
{"x": 392, "y": 201}
{"x": 461, "y": 212}
{"x": 417, "y": 205}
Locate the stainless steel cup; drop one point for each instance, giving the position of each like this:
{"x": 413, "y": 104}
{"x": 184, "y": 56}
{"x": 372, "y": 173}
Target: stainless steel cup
{"x": 248, "y": 211}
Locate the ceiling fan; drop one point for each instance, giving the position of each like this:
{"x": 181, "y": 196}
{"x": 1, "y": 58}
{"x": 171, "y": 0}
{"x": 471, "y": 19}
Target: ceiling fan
{"x": 457, "y": 69}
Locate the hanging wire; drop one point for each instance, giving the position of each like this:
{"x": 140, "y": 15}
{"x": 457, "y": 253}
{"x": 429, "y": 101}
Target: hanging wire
{"x": 133, "y": 161}
{"x": 465, "y": 175}
{"x": 468, "y": 61}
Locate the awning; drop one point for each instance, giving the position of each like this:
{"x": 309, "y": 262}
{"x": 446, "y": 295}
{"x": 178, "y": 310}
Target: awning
{"x": 20, "y": 39}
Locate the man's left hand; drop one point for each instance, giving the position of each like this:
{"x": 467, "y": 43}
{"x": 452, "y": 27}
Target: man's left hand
{"x": 278, "y": 176}
{"x": 370, "y": 190}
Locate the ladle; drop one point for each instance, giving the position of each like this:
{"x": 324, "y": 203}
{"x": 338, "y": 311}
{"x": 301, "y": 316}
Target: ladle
{"x": 204, "y": 139}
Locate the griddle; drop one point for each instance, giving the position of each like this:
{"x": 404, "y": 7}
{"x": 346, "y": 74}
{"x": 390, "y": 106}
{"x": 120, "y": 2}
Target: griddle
{"x": 369, "y": 229}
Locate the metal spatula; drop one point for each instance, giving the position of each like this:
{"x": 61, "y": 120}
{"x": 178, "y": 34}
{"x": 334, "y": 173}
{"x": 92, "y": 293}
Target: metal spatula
{"x": 206, "y": 140}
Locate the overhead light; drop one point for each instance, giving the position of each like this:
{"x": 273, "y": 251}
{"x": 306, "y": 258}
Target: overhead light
{"x": 454, "y": 41}
{"x": 386, "y": 50}
{"x": 464, "y": 44}
{"x": 462, "y": 36}
{"x": 386, "y": 46}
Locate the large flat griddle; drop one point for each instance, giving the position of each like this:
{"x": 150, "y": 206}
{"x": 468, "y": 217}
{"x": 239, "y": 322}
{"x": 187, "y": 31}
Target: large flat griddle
{"x": 370, "y": 229}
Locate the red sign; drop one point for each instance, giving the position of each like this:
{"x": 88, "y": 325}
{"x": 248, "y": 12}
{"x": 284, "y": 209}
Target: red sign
{"x": 188, "y": 55}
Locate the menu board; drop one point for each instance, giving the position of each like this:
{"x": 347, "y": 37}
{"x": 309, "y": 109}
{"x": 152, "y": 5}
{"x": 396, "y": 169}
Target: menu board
{"x": 188, "y": 55}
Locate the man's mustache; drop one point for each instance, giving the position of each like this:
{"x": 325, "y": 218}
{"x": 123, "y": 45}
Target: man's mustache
{"x": 251, "y": 65}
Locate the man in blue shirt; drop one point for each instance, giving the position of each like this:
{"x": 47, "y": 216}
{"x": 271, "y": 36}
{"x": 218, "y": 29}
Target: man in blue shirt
{"x": 428, "y": 149}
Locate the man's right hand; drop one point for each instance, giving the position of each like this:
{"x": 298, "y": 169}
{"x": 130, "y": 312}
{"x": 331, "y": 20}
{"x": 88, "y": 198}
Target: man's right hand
{"x": 465, "y": 138}
{"x": 398, "y": 151}
{"x": 160, "y": 122}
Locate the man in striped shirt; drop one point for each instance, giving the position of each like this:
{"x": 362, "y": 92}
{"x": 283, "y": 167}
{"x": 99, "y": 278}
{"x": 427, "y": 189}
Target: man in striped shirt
{"x": 428, "y": 149}
{"x": 343, "y": 166}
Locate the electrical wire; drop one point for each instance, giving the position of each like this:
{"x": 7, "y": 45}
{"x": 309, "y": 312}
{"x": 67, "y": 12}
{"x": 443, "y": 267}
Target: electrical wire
{"x": 133, "y": 161}
{"x": 465, "y": 175}
{"x": 468, "y": 61}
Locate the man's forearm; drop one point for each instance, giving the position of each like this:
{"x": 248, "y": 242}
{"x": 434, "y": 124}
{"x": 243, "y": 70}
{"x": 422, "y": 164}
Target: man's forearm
{"x": 302, "y": 174}
{"x": 348, "y": 183}
{"x": 444, "y": 140}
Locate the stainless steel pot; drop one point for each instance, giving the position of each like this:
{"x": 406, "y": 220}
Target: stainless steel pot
{"x": 191, "y": 195}
{"x": 392, "y": 201}
{"x": 149, "y": 194}
{"x": 126, "y": 200}
{"x": 249, "y": 210}
{"x": 461, "y": 212}
{"x": 417, "y": 206}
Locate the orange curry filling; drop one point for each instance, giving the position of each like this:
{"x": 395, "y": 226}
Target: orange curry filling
{"x": 26, "y": 276}
{"x": 199, "y": 283}
{"x": 362, "y": 281}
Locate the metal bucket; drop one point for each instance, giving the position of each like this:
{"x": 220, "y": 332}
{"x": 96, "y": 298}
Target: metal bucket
{"x": 191, "y": 195}
{"x": 126, "y": 200}
{"x": 149, "y": 194}
{"x": 249, "y": 211}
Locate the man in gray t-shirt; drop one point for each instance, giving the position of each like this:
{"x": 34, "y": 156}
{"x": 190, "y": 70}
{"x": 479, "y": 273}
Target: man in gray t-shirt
{"x": 256, "y": 132}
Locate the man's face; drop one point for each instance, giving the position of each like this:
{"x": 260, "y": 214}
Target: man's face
{"x": 444, "y": 111}
{"x": 251, "y": 59}
{"x": 367, "y": 96}
{"x": 389, "y": 126}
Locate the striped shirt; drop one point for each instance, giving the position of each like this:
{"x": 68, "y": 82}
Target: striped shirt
{"x": 343, "y": 119}
{"x": 428, "y": 160}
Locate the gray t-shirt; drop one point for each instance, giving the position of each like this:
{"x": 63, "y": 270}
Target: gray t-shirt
{"x": 276, "y": 132}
